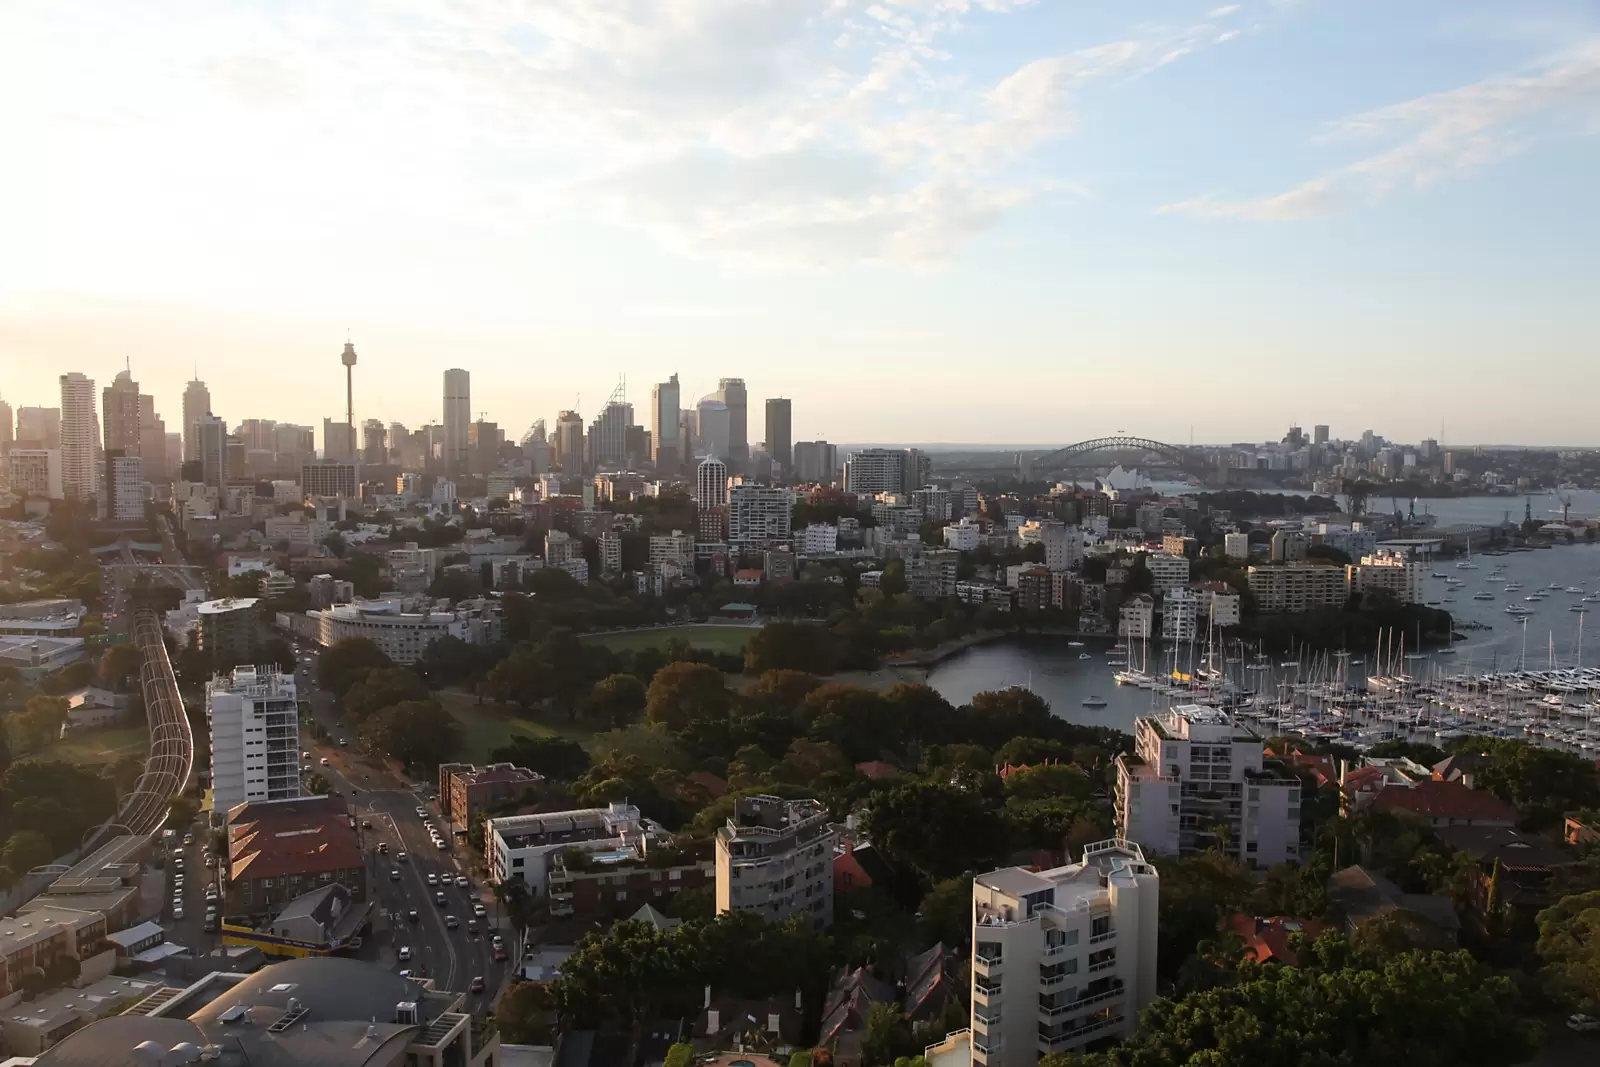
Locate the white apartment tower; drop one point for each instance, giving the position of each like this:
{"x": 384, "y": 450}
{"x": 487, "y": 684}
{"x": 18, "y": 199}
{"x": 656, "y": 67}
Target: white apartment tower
{"x": 457, "y": 417}
{"x": 255, "y": 736}
{"x": 1063, "y": 546}
{"x": 1236, "y": 545}
{"x": 1063, "y": 957}
{"x": 80, "y": 437}
{"x": 1196, "y": 781}
{"x": 775, "y": 858}
{"x": 711, "y": 484}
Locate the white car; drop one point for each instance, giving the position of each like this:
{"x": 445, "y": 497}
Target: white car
{"x": 404, "y": 954}
{"x": 433, "y": 879}
{"x": 479, "y": 910}
{"x": 1582, "y": 1023}
{"x": 177, "y": 911}
{"x": 422, "y": 813}
{"x": 461, "y": 881}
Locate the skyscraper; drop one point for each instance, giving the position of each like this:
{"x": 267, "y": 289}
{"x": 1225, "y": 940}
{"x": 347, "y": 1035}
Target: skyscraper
{"x": 457, "y": 417}
{"x": 779, "y": 433}
{"x": 608, "y": 437}
{"x": 196, "y": 406}
{"x": 211, "y": 451}
{"x": 374, "y": 442}
{"x": 816, "y": 461}
{"x": 338, "y": 441}
{"x": 5, "y": 428}
{"x": 569, "y": 442}
{"x": 1319, "y": 435}
{"x": 39, "y": 427}
{"x": 664, "y": 420}
{"x": 713, "y": 427}
{"x": 731, "y": 392}
{"x": 152, "y": 440}
{"x": 120, "y": 410}
{"x": 80, "y": 437}
{"x": 711, "y": 499}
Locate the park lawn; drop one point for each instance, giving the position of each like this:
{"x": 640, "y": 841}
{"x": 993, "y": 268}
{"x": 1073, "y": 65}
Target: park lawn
{"x": 711, "y": 638}
{"x": 96, "y": 746}
{"x": 491, "y": 725}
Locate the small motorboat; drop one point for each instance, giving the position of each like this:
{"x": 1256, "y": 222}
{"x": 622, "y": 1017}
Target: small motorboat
{"x": 1093, "y": 701}
{"x": 1084, "y": 655}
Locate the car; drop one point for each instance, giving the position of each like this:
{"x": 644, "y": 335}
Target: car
{"x": 177, "y": 911}
{"x": 341, "y": 742}
{"x": 433, "y": 879}
{"x": 498, "y": 941}
{"x": 403, "y": 954}
{"x": 472, "y": 926}
{"x": 366, "y": 824}
{"x": 383, "y": 848}
{"x": 306, "y": 756}
{"x": 177, "y": 863}
{"x": 479, "y": 910}
{"x": 451, "y": 921}
{"x": 188, "y": 839}
{"x": 401, "y": 857}
{"x": 1582, "y": 1023}
{"x": 210, "y": 925}
{"x": 394, "y": 875}
{"x": 476, "y": 984}
{"x": 440, "y": 843}
{"x": 211, "y": 861}
{"x": 428, "y": 826}
{"x": 461, "y": 881}
{"x": 406, "y": 974}
{"x": 439, "y": 899}
{"x": 324, "y": 761}
{"x": 422, "y": 813}
{"x": 411, "y": 916}
{"x": 211, "y": 891}
{"x": 500, "y": 954}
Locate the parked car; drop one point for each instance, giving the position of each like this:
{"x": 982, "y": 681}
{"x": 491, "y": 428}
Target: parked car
{"x": 210, "y": 925}
{"x": 1582, "y": 1023}
{"x": 177, "y": 911}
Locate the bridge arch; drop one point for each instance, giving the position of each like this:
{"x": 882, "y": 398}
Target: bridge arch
{"x": 1076, "y": 455}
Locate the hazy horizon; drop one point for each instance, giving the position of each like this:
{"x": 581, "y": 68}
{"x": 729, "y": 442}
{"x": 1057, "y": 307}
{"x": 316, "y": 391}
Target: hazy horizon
{"x": 975, "y": 220}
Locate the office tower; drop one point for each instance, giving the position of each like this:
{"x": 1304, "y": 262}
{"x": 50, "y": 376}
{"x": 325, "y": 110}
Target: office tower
{"x": 125, "y": 493}
{"x": 779, "y": 433}
{"x": 483, "y": 447}
{"x": 731, "y": 392}
{"x": 328, "y": 478}
{"x": 374, "y": 442}
{"x": 255, "y": 736}
{"x": 338, "y": 441}
{"x": 174, "y": 451}
{"x": 885, "y": 470}
{"x": 152, "y": 441}
{"x": 39, "y": 427}
{"x": 608, "y": 435}
{"x": 348, "y": 358}
{"x": 196, "y": 406}
{"x": 120, "y": 410}
{"x": 457, "y": 417}
{"x": 211, "y": 444}
{"x": 816, "y": 461}
{"x": 758, "y": 514}
{"x": 80, "y": 437}
{"x": 35, "y": 472}
{"x": 1061, "y": 958}
{"x": 713, "y": 427}
{"x": 664, "y": 423}
{"x": 5, "y": 428}
{"x": 1319, "y": 435}
{"x": 259, "y": 435}
{"x": 569, "y": 442}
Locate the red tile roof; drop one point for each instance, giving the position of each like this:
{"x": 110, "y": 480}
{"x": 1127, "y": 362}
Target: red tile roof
{"x": 307, "y": 836}
{"x": 1268, "y": 939}
{"x": 877, "y": 770}
{"x": 1443, "y": 800}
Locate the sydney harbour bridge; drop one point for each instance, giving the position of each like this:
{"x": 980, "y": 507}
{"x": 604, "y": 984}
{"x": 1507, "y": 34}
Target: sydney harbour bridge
{"x": 1085, "y": 458}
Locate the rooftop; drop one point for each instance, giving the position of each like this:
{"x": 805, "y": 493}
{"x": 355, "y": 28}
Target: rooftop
{"x": 1443, "y": 800}
{"x": 41, "y": 925}
{"x": 226, "y": 605}
{"x": 613, "y": 816}
{"x": 306, "y": 835}
{"x": 53, "y": 1009}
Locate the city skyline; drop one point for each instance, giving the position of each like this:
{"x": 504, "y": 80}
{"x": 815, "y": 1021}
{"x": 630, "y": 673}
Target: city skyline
{"x": 864, "y": 209}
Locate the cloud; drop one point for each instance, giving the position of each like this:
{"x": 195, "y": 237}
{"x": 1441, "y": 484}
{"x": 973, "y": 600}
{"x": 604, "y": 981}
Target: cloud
{"x": 1223, "y": 12}
{"x": 1436, "y": 137}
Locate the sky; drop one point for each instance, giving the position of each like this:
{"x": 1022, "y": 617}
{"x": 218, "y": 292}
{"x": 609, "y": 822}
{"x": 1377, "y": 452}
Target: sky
{"x": 974, "y": 221}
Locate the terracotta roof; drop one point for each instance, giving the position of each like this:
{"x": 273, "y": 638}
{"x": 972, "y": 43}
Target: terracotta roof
{"x": 1268, "y": 939}
{"x": 717, "y": 787}
{"x": 877, "y": 770}
{"x": 1362, "y": 778}
{"x": 1443, "y": 800}
{"x": 304, "y": 836}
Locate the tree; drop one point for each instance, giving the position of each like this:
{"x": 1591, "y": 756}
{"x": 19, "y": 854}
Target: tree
{"x": 683, "y": 692}
{"x": 119, "y": 667}
{"x": 893, "y": 580}
{"x": 935, "y": 830}
{"x": 1196, "y": 892}
{"x": 25, "y": 850}
{"x": 182, "y": 813}
{"x": 346, "y": 662}
{"x": 277, "y": 652}
{"x": 382, "y": 687}
{"x": 888, "y": 1036}
{"x": 418, "y": 733}
{"x": 616, "y": 700}
{"x": 1569, "y": 944}
{"x": 40, "y": 721}
{"x": 946, "y": 912}
{"x": 795, "y": 646}
{"x": 554, "y": 757}
{"x": 526, "y": 1014}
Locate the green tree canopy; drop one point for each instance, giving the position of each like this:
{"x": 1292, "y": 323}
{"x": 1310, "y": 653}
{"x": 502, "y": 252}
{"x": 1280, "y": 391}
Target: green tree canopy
{"x": 418, "y": 733}
{"x": 683, "y": 692}
{"x": 616, "y": 700}
{"x": 346, "y": 662}
{"x": 380, "y": 688}
{"x": 1569, "y": 945}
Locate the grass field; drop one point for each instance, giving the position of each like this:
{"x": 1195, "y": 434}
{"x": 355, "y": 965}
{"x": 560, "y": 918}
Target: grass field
{"x": 488, "y": 726}
{"x": 97, "y": 746}
{"x": 711, "y": 638}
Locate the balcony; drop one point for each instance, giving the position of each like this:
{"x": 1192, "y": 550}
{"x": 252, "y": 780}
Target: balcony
{"x": 1082, "y": 1002}
{"x": 988, "y": 1015}
{"x": 1100, "y": 939}
{"x": 989, "y": 965}
{"x": 1057, "y": 1042}
{"x": 989, "y": 1046}
{"x": 985, "y": 991}
{"x": 1056, "y": 952}
{"x": 1103, "y": 965}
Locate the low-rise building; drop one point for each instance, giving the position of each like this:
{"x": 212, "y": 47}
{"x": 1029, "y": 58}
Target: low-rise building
{"x": 517, "y": 846}
{"x": 402, "y": 631}
{"x": 41, "y": 938}
{"x": 962, "y": 536}
{"x": 34, "y": 1026}
{"x": 281, "y": 849}
{"x": 775, "y": 858}
{"x": 466, "y": 789}
{"x": 603, "y": 885}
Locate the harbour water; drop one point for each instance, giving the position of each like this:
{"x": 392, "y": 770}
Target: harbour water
{"x": 1067, "y": 676}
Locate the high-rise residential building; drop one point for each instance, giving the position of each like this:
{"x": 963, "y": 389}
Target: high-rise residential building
{"x": 731, "y": 391}
{"x": 608, "y": 435}
{"x": 780, "y": 433}
{"x": 80, "y": 437}
{"x": 1295, "y": 587}
{"x": 211, "y": 450}
{"x": 457, "y": 417}
{"x": 711, "y": 483}
{"x": 1197, "y": 782}
{"x": 328, "y": 478}
{"x": 119, "y": 403}
{"x": 1236, "y": 545}
{"x": 1061, "y": 958}
{"x": 196, "y": 406}
{"x": 712, "y": 428}
{"x": 664, "y": 422}
{"x": 1395, "y": 573}
{"x": 758, "y": 515}
{"x": 255, "y": 736}
{"x": 39, "y": 427}
{"x": 152, "y": 441}
{"x": 35, "y": 472}
{"x": 816, "y": 461}
{"x": 775, "y": 858}
{"x": 610, "y": 544}
{"x": 569, "y": 442}
{"x": 6, "y": 427}
{"x": 124, "y": 482}
{"x": 885, "y": 470}
{"x": 228, "y": 631}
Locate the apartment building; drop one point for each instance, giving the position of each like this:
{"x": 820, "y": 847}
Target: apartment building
{"x": 255, "y": 736}
{"x": 1167, "y": 572}
{"x": 932, "y": 574}
{"x": 229, "y": 630}
{"x": 775, "y": 857}
{"x": 1296, "y": 587}
{"x": 1289, "y": 546}
{"x": 518, "y": 846}
{"x": 1062, "y": 957}
{"x": 758, "y": 514}
{"x": 1236, "y": 545}
{"x": 404, "y": 635}
{"x": 39, "y": 938}
{"x": 281, "y": 849}
{"x": 1391, "y": 572}
{"x": 36, "y": 472}
{"x": 1136, "y": 620}
{"x": 1179, "y": 613}
{"x": 819, "y": 538}
{"x": 962, "y": 536}
{"x": 1197, "y": 781}
{"x": 603, "y": 886}
{"x": 466, "y": 789}
{"x": 675, "y": 549}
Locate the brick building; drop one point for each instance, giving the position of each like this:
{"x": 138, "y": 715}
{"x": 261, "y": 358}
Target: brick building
{"x": 466, "y": 789}
{"x": 279, "y": 849}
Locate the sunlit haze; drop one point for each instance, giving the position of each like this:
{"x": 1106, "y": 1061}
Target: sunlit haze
{"x": 923, "y": 220}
